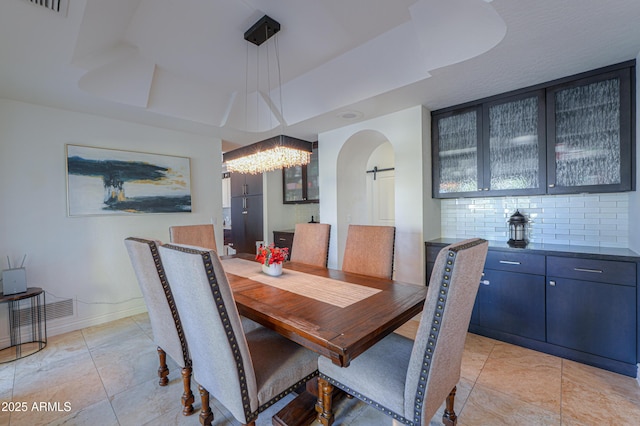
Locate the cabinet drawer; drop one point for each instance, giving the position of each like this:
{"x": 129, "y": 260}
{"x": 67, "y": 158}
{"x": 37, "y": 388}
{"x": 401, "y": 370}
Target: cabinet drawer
{"x": 606, "y": 271}
{"x": 515, "y": 262}
{"x": 283, "y": 239}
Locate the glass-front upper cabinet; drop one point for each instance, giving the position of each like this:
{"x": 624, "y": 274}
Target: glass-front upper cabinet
{"x": 456, "y": 153}
{"x": 514, "y": 144}
{"x": 300, "y": 183}
{"x": 589, "y": 133}
{"x": 497, "y": 148}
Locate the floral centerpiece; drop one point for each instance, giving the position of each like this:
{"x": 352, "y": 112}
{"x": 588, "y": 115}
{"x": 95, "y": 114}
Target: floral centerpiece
{"x": 271, "y": 258}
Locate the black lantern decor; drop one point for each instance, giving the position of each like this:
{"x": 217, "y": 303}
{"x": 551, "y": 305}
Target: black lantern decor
{"x": 517, "y": 230}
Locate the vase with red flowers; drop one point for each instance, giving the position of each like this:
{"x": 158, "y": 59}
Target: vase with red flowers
{"x": 271, "y": 258}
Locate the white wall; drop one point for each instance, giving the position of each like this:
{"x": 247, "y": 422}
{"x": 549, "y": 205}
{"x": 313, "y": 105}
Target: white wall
{"x": 405, "y": 130}
{"x": 634, "y": 197}
{"x": 84, "y": 258}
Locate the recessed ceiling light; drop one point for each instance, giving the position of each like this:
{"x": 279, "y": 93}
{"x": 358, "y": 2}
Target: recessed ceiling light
{"x": 350, "y": 115}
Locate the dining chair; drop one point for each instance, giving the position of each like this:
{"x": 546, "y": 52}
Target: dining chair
{"x": 246, "y": 372}
{"x": 194, "y": 235}
{"x": 369, "y": 250}
{"x": 165, "y": 321}
{"x": 311, "y": 244}
{"x": 405, "y": 379}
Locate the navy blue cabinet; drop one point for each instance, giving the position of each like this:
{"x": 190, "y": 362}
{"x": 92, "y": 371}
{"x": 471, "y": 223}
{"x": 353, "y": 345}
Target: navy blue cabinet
{"x": 580, "y": 304}
{"x": 511, "y": 296}
{"x": 595, "y": 314}
{"x": 512, "y": 303}
{"x": 596, "y": 318}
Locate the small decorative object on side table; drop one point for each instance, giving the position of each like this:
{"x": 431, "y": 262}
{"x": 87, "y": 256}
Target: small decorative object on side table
{"x": 271, "y": 258}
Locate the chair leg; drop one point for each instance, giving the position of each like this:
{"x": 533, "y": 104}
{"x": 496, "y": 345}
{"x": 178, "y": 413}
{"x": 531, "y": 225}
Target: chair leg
{"x": 206, "y": 416}
{"x": 320, "y": 401}
{"x": 449, "y": 417}
{"x": 325, "y": 399}
{"x": 163, "y": 371}
{"x": 187, "y": 395}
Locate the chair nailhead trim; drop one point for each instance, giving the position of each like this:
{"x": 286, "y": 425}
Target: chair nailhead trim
{"x": 369, "y": 401}
{"x": 435, "y": 324}
{"x": 222, "y": 312}
{"x": 153, "y": 247}
{"x": 215, "y": 290}
{"x": 433, "y": 338}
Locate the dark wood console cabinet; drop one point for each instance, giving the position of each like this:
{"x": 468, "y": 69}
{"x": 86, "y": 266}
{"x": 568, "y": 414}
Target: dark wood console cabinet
{"x": 283, "y": 239}
{"x": 579, "y": 303}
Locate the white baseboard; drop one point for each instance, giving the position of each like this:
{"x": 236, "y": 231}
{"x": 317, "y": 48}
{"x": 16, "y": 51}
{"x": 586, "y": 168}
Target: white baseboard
{"x": 66, "y": 327}
{"x": 68, "y": 324}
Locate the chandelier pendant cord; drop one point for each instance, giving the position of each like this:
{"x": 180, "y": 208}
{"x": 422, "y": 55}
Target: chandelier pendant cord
{"x": 277, "y": 46}
{"x": 268, "y": 93}
{"x": 276, "y": 152}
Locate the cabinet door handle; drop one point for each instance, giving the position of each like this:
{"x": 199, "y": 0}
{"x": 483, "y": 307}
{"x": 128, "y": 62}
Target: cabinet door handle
{"x": 485, "y": 282}
{"x": 594, "y": 271}
{"x": 244, "y": 203}
{"x": 282, "y": 239}
{"x": 510, "y": 262}
{"x": 552, "y": 283}
{"x": 245, "y": 212}
{"x": 552, "y": 185}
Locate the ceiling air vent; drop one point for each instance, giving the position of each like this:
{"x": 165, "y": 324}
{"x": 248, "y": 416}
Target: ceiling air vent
{"x": 59, "y": 6}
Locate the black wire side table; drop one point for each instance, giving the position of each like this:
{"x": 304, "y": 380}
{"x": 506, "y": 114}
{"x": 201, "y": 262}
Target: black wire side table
{"x": 27, "y": 324}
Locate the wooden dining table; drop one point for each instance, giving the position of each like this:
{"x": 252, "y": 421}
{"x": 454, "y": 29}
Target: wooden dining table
{"x": 335, "y": 314}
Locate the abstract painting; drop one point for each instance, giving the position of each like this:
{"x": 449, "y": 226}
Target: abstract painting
{"x": 106, "y": 181}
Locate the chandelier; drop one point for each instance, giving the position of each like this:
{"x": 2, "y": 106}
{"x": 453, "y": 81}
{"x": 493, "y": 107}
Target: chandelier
{"x": 269, "y": 154}
{"x": 277, "y": 152}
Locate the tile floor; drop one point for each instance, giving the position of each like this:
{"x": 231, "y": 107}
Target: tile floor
{"x": 106, "y": 375}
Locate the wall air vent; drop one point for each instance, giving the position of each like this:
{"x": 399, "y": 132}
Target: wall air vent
{"x": 59, "y": 6}
{"x": 60, "y": 309}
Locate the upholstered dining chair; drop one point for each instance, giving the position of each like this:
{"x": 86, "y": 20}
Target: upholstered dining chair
{"x": 311, "y": 244}
{"x": 409, "y": 380}
{"x": 194, "y": 235}
{"x": 245, "y": 371}
{"x": 165, "y": 321}
{"x": 369, "y": 250}
{"x": 201, "y": 236}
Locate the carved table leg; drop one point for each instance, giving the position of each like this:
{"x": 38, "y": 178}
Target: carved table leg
{"x": 187, "y": 395}
{"x": 163, "y": 371}
{"x": 449, "y": 417}
{"x": 206, "y": 416}
{"x": 325, "y": 391}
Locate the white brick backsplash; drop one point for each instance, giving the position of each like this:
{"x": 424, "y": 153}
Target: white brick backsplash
{"x": 582, "y": 219}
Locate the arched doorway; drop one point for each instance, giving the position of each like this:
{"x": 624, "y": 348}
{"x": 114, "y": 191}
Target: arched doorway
{"x": 355, "y": 187}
